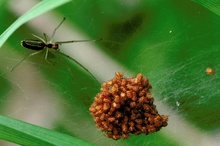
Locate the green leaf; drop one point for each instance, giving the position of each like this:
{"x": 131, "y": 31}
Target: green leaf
{"x": 26, "y": 134}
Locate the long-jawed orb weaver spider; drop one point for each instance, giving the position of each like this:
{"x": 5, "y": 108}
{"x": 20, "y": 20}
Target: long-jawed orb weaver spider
{"x": 41, "y": 45}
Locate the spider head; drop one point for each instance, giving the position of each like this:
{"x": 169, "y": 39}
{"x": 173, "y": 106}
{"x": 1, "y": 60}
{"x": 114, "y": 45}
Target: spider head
{"x": 54, "y": 46}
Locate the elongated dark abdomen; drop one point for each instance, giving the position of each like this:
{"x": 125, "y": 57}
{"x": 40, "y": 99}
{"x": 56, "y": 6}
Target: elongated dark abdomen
{"x": 33, "y": 44}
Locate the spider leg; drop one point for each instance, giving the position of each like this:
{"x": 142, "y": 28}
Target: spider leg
{"x": 46, "y": 55}
{"x": 45, "y": 37}
{"x": 32, "y": 54}
{"x": 78, "y": 64}
{"x": 75, "y": 41}
{"x": 54, "y": 52}
{"x": 57, "y": 28}
{"x": 40, "y": 38}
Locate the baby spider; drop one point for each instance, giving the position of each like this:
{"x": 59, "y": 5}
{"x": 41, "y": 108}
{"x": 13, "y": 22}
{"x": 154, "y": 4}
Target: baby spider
{"x": 43, "y": 45}
{"x": 209, "y": 71}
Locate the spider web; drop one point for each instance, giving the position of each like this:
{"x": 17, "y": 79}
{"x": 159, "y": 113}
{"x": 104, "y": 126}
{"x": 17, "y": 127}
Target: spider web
{"x": 37, "y": 90}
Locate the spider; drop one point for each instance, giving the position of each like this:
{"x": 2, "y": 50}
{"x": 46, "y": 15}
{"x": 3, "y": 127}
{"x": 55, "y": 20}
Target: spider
{"x": 41, "y": 45}
{"x": 210, "y": 71}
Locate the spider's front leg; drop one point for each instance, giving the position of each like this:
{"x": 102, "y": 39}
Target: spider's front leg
{"x": 46, "y": 56}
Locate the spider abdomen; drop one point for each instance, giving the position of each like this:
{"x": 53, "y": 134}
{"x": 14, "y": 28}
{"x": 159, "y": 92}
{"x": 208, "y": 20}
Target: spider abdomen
{"x": 33, "y": 44}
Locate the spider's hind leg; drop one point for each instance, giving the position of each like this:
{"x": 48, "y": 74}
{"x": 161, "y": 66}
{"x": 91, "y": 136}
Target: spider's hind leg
{"x": 56, "y": 54}
{"x": 78, "y": 64}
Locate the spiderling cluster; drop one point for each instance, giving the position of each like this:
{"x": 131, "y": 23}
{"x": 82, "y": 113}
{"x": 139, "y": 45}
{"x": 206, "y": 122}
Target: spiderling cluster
{"x": 125, "y": 106}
